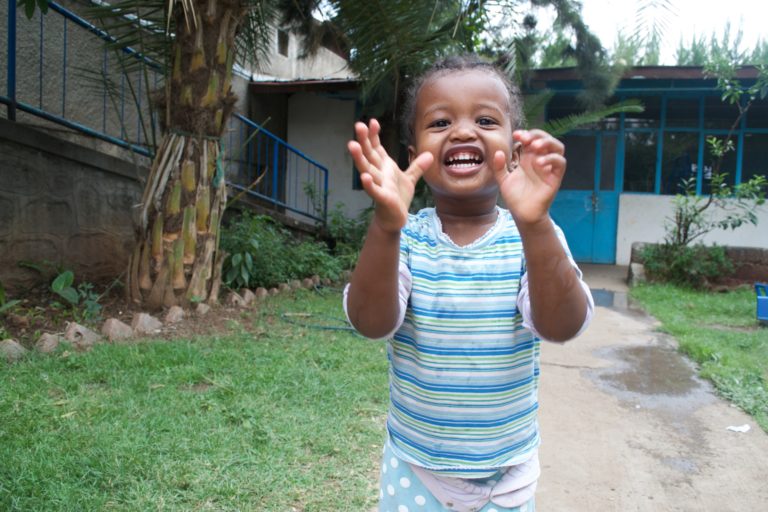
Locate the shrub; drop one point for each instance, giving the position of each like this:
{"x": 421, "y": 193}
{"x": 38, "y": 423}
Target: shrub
{"x": 348, "y": 234}
{"x": 693, "y": 266}
{"x": 262, "y": 253}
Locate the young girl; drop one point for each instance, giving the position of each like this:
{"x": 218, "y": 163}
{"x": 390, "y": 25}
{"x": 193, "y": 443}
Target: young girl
{"x": 464, "y": 291}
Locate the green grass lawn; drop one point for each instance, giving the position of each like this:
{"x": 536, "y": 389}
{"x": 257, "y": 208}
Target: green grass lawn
{"x": 274, "y": 418}
{"x": 719, "y": 331}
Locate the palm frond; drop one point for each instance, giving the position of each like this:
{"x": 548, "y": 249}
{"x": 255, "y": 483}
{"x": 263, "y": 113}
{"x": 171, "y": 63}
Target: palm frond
{"x": 256, "y": 33}
{"x": 535, "y": 104}
{"x": 563, "y": 125}
{"x": 652, "y": 19}
{"x": 136, "y": 27}
{"x": 391, "y": 40}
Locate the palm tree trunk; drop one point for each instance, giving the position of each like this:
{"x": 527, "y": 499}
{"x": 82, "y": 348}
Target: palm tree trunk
{"x": 177, "y": 258}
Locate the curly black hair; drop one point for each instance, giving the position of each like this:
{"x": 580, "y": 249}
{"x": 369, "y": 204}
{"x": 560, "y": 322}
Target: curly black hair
{"x": 451, "y": 64}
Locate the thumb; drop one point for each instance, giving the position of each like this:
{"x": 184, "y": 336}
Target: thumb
{"x": 499, "y": 166}
{"x": 418, "y": 165}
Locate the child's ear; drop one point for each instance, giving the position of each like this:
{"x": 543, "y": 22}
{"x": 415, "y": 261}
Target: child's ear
{"x": 516, "y": 153}
{"x": 411, "y": 154}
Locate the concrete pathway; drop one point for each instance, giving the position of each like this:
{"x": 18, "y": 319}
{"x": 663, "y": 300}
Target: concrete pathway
{"x": 627, "y": 426}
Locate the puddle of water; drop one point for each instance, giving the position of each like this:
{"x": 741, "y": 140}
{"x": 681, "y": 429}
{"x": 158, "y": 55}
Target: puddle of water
{"x": 618, "y": 301}
{"x": 652, "y": 376}
{"x": 653, "y": 370}
{"x": 683, "y": 465}
{"x": 609, "y": 298}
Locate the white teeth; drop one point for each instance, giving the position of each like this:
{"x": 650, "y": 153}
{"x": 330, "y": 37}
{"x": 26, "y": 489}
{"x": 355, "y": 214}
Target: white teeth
{"x": 464, "y": 159}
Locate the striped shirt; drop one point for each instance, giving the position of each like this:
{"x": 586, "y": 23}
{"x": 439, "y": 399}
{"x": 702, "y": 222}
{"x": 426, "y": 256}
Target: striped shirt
{"x": 464, "y": 368}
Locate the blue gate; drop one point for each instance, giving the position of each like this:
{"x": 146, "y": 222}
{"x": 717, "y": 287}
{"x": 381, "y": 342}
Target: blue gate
{"x": 587, "y": 206}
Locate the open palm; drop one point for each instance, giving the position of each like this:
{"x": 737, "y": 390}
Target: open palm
{"x": 529, "y": 188}
{"x": 390, "y": 188}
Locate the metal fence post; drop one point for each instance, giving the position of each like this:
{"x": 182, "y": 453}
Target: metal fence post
{"x": 275, "y": 157}
{"x": 12, "y": 60}
{"x": 325, "y": 196}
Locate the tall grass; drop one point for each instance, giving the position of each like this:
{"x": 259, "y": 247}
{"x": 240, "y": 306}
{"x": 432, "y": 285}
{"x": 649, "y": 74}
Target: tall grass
{"x": 720, "y": 332}
{"x": 277, "y": 417}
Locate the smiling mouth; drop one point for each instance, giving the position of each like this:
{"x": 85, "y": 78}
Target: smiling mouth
{"x": 463, "y": 160}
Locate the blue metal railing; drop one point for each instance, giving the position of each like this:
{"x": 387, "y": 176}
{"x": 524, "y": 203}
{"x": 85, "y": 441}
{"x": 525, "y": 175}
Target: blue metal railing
{"x": 52, "y": 85}
{"x": 265, "y": 167}
{"x": 60, "y": 78}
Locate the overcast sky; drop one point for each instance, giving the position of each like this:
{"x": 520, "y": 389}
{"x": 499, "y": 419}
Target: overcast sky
{"x": 686, "y": 18}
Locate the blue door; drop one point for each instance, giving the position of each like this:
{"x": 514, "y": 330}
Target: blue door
{"x": 587, "y": 206}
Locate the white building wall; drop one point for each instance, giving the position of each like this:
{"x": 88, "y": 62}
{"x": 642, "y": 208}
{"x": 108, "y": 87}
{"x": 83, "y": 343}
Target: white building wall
{"x": 643, "y": 217}
{"x": 323, "y": 65}
{"x": 320, "y": 127}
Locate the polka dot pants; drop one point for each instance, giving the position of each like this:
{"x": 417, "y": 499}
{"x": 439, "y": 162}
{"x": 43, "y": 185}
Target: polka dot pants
{"x": 402, "y": 491}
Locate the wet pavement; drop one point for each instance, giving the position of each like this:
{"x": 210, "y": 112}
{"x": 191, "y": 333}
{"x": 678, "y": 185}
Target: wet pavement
{"x": 627, "y": 425}
{"x": 650, "y": 375}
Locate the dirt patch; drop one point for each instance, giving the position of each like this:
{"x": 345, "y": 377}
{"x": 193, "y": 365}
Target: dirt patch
{"x": 40, "y": 311}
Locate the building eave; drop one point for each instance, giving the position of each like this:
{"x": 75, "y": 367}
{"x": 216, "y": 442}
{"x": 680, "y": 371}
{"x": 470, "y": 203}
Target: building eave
{"x": 321, "y": 85}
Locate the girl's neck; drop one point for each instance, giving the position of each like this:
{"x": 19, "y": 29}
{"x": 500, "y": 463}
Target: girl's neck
{"x": 466, "y": 223}
{"x": 465, "y": 210}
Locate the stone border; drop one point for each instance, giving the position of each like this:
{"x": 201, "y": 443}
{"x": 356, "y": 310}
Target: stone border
{"x": 114, "y": 330}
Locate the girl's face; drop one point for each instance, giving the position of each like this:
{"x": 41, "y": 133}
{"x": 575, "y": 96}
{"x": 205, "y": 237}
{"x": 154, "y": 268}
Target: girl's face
{"x": 462, "y": 118}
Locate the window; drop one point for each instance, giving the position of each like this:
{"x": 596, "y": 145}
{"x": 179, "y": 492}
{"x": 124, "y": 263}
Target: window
{"x": 682, "y": 113}
{"x": 282, "y": 42}
{"x": 714, "y": 164}
{"x": 562, "y": 106}
{"x": 757, "y": 115}
{"x": 679, "y": 160}
{"x": 608, "y": 162}
{"x": 649, "y": 118}
{"x": 639, "y": 161}
{"x": 755, "y": 162}
{"x": 719, "y": 114}
{"x": 580, "y": 152}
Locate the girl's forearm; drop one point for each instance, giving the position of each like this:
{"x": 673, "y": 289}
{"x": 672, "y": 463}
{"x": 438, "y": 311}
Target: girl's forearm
{"x": 558, "y": 301}
{"x": 372, "y": 303}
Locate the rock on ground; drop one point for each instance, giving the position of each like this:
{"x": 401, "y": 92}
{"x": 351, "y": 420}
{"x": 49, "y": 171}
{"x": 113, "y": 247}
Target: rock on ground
{"x": 81, "y": 337}
{"x": 47, "y": 343}
{"x": 116, "y": 330}
{"x": 144, "y": 323}
{"x": 11, "y": 350}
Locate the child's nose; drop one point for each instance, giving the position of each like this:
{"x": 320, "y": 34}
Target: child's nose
{"x": 463, "y": 130}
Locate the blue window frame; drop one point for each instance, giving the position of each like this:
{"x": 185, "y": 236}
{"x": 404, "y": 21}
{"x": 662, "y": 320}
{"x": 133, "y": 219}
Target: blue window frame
{"x": 666, "y": 143}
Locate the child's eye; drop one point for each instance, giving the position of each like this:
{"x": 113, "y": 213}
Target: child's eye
{"x": 440, "y": 123}
{"x": 486, "y": 121}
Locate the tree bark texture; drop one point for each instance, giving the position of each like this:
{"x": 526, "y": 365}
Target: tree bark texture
{"x": 176, "y": 259}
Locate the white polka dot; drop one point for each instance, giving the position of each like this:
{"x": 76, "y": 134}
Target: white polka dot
{"x": 492, "y": 510}
{"x": 420, "y": 500}
{"x": 381, "y": 494}
{"x": 524, "y": 507}
{"x": 393, "y": 462}
{"x": 390, "y": 490}
{"x": 405, "y": 483}
{"x": 383, "y": 468}
{"x": 402, "y": 508}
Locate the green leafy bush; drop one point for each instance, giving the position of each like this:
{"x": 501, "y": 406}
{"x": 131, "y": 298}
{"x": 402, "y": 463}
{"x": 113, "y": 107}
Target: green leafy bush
{"x": 348, "y": 234}
{"x": 83, "y": 299}
{"x": 693, "y": 266}
{"x": 262, "y": 253}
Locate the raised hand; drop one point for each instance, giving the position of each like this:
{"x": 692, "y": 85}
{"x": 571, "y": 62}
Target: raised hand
{"x": 529, "y": 186}
{"x": 390, "y": 188}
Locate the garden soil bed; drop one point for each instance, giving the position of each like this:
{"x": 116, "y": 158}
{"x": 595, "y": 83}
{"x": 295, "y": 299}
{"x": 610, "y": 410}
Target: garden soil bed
{"x": 40, "y": 311}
